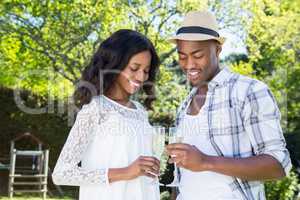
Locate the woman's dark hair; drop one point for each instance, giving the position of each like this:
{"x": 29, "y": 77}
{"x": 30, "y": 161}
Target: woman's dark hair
{"x": 110, "y": 59}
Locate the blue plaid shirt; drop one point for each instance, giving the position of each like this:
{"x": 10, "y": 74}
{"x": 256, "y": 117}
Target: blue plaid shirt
{"x": 243, "y": 121}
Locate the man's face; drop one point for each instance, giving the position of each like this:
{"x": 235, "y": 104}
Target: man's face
{"x": 199, "y": 60}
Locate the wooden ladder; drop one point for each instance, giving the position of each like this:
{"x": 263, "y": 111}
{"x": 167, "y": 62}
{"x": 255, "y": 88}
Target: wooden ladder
{"x": 28, "y": 177}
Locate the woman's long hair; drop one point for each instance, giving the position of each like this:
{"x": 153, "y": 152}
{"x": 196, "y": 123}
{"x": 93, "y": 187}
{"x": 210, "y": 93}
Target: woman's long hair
{"x": 110, "y": 59}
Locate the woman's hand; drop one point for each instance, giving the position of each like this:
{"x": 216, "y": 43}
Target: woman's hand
{"x": 143, "y": 166}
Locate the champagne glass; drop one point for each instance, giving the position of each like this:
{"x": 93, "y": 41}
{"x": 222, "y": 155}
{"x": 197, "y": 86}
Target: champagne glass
{"x": 174, "y": 136}
{"x": 158, "y": 144}
{"x": 158, "y": 141}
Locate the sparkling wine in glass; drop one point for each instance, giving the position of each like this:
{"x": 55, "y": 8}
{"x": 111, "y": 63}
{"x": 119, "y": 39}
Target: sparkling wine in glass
{"x": 158, "y": 143}
{"x": 174, "y": 136}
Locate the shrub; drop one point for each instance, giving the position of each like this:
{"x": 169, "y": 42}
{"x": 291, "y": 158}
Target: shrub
{"x": 284, "y": 189}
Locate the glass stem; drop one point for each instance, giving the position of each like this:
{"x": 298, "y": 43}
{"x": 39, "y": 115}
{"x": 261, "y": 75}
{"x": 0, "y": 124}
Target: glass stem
{"x": 175, "y": 173}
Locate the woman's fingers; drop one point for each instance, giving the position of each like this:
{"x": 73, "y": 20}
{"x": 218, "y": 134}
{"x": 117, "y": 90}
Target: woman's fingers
{"x": 151, "y": 159}
{"x": 150, "y": 162}
{"x": 147, "y": 168}
{"x": 149, "y": 174}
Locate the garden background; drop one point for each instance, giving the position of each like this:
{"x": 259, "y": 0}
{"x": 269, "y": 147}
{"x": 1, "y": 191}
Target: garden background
{"x": 45, "y": 44}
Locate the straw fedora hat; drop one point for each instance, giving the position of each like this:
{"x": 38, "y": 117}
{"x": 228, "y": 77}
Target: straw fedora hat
{"x": 198, "y": 26}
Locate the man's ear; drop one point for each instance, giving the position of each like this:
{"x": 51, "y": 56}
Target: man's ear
{"x": 218, "y": 48}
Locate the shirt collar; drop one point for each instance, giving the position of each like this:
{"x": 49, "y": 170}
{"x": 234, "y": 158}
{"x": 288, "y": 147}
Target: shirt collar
{"x": 221, "y": 78}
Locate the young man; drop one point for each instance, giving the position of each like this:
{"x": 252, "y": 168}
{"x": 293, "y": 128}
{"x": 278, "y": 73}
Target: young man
{"x": 231, "y": 123}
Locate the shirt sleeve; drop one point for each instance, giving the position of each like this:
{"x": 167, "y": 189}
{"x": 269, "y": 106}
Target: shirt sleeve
{"x": 67, "y": 170}
{"x": 261, "y": 118}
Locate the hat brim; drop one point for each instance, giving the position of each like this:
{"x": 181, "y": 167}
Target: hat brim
{"x": 195, "y": 37}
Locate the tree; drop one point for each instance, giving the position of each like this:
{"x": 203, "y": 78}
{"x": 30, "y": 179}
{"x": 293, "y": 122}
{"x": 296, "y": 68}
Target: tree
{"x": 274, "y": 52}
{"x": 45, "y": 45}
{"x": 273, "y": 46}
{"x": 54, "y": 38}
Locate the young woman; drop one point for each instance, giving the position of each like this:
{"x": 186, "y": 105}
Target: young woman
{"x": 106, "y": 150}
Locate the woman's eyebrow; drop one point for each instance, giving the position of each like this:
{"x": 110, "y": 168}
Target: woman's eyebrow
{"x": 136, "y": 64}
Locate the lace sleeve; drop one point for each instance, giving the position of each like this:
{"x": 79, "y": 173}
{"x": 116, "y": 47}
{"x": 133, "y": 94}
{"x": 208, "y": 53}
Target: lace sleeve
{"x": 67, "y": 171}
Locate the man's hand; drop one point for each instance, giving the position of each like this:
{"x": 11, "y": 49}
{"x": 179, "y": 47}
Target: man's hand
{"x": 187, "y": 156}
{"x": 252, "y": 168}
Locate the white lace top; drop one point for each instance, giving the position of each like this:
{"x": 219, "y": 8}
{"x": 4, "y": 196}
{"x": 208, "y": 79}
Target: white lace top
{"x": 106, "y": 135}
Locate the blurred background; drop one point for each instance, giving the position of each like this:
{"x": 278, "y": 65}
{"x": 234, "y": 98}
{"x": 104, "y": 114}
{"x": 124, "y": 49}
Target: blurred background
{"x": 45, "y": 44}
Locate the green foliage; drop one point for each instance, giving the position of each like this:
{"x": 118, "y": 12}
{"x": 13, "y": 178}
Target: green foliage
{"x": 273, "y": 44}
{"x": 57, "y": 37}
{"x": 284, "y": 189}
{"x": 46, "y": 42}
{"x": 44, "y": 46}
{"x": 274, "y": 57}
{"x": 51, "y": 127}
{"x": 165, "y": 196}
{"x": 169, "y": 95}
{"x": 243, "y": 68}
{"x": 34, "y": 198}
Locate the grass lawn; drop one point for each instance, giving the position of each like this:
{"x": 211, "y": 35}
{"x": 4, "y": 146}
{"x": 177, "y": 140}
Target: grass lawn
{"x": 33, "y": 198}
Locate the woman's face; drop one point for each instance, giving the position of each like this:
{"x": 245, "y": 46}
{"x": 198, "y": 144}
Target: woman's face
{"x": 131, "y": 79}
